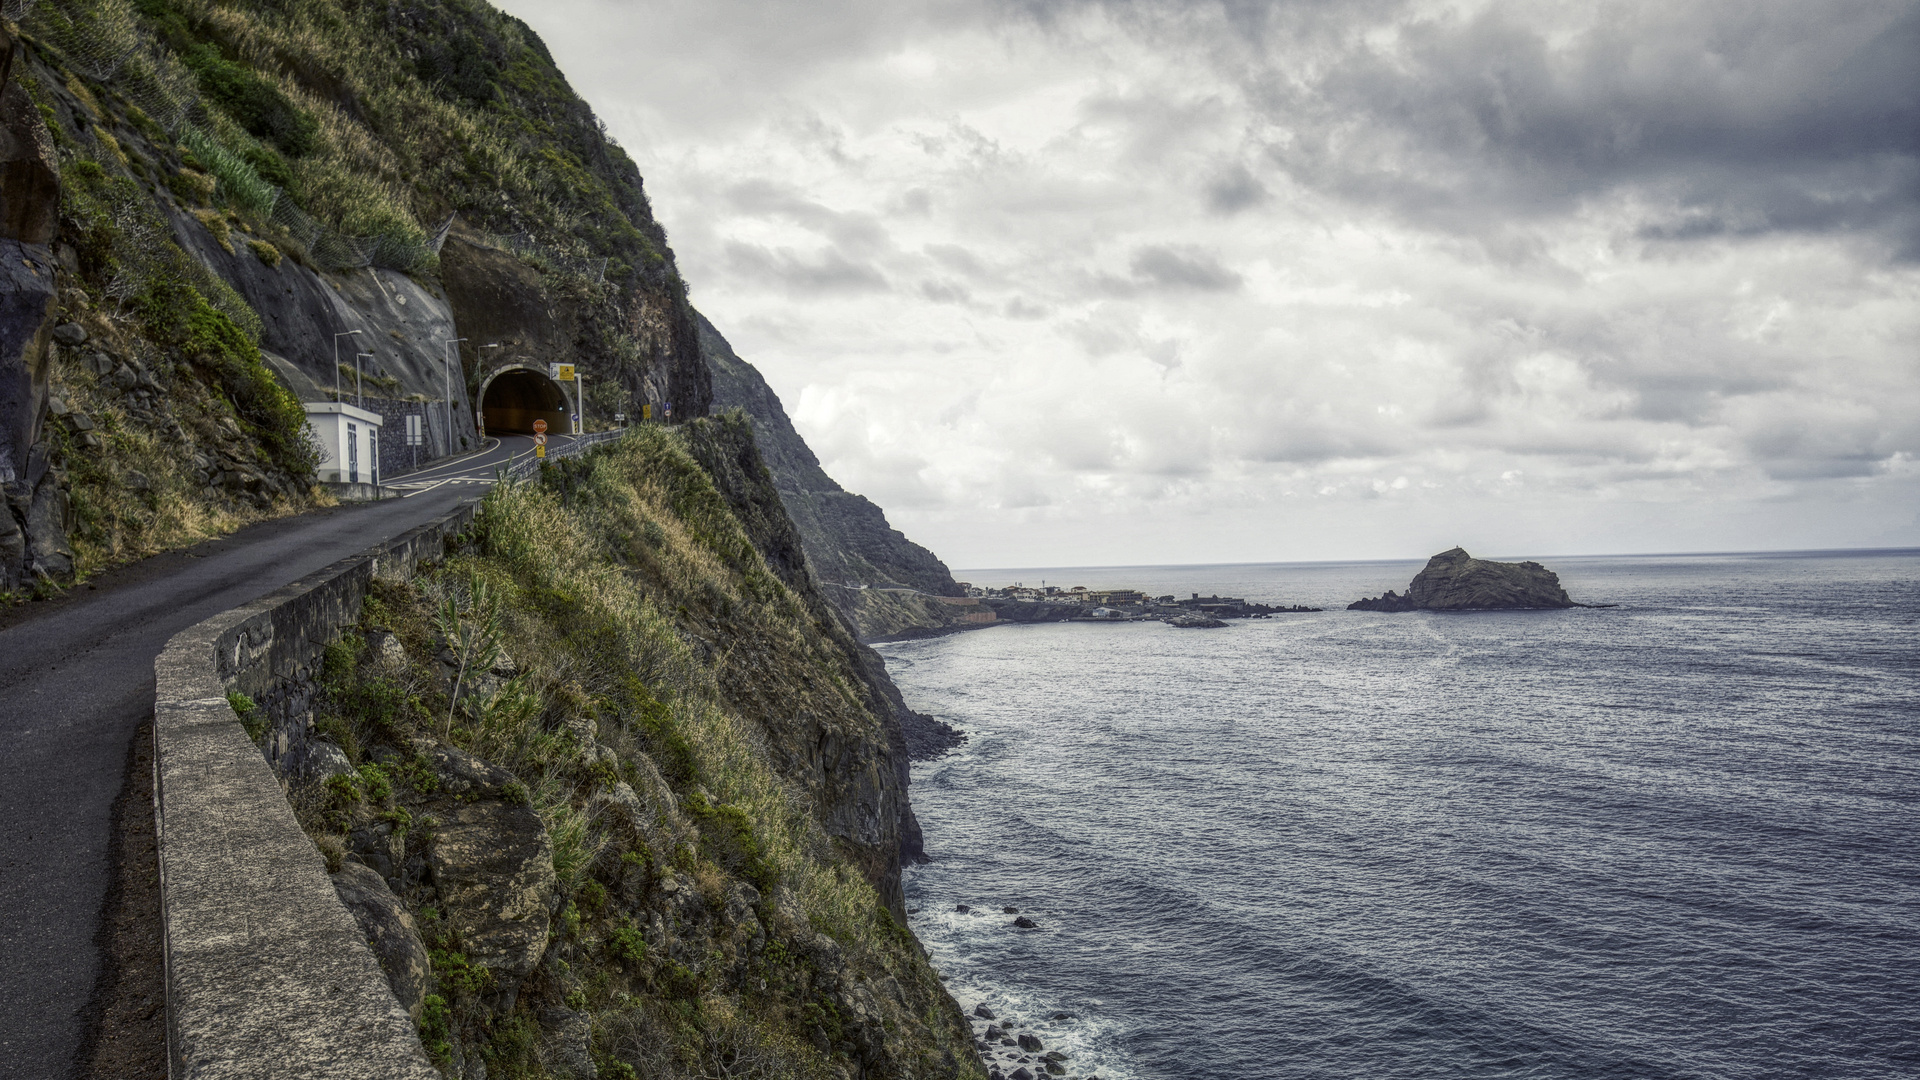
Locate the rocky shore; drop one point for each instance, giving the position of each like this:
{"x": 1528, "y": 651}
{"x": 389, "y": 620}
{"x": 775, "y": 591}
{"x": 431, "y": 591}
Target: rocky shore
{"x": 1011, "y": 1048}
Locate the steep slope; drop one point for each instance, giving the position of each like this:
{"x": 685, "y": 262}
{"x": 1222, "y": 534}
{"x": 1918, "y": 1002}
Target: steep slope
{"x": 610, "y": 791}
{"x": 883, "y": 582}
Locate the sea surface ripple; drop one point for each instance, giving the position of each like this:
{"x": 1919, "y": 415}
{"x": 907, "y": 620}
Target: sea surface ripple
{"x": 1674, "y": 838}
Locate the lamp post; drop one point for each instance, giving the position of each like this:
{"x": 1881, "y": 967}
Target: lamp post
{"x": 336, "y": 360}
{"x": 479, "y": 421}
{"x": 359, "y": 398}
{"x": 449, "y": 343}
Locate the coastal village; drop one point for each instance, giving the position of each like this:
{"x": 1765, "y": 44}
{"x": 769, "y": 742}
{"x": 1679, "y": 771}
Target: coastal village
{"x": 1051, "y": 603}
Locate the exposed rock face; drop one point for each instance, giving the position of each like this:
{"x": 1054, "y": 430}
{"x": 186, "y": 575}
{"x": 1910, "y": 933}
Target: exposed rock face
{"x": 29, "y": 175}
{"x": 847, "y": 539}
{"x": 856, "y": 801}
{"x": 492, "y": 863}
{"x": 498, "y": 299}
{"x": 34, "y": 517}
{"x": 390, "y": 932}
{"x": 1456, "y": 581}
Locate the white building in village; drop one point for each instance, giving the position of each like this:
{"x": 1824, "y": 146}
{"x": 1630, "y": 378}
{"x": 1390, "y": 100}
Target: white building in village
{"x": 349, "y": 440}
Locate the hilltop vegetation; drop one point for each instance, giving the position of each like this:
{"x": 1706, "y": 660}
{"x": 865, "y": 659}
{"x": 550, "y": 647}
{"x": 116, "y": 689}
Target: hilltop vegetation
{"x": 234, "y": 176}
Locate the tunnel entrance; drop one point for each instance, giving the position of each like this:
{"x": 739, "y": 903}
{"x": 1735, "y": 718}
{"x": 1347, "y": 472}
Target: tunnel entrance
{"x": 515, "y": 398}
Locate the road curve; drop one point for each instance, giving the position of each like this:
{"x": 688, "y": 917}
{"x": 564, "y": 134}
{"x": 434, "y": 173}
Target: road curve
{"x": 76, "y": 681}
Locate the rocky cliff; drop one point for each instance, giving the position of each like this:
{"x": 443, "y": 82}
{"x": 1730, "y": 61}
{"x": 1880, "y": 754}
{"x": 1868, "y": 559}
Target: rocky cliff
{"x": 883, "y": 582}
{"x": 613, "y": 794}
{"x": 1456, "y": 581}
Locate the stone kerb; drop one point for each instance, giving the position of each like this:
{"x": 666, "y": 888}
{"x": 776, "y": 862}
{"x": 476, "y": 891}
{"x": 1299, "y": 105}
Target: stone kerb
{"x": 267, "y": 972}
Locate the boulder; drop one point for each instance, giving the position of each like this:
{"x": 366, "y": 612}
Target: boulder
{"x": 26, "y": 296}
{"x": 50, "y": 516}
{"x": 390, "y": 933}
{"x": 646, "y": 816}
{"x": 569, "y": 1044}
{"x": 1025, "y": 923}
{"x": 982, "y": 1011}
{"x": 962, "y": 908}
{"x": 1031, "y": 1043}
{"x": 492, "y": 864}
{"x": 1456, "y": 581}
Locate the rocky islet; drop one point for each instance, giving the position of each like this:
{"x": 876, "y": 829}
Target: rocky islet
{"x": 1456, "y": 581}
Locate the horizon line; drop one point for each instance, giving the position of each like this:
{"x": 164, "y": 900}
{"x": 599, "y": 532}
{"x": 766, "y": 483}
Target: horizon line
{"x": 1775, "y": 552}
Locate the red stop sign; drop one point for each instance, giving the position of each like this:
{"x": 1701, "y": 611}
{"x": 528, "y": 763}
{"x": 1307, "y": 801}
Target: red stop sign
{"x": 540, "y": 426}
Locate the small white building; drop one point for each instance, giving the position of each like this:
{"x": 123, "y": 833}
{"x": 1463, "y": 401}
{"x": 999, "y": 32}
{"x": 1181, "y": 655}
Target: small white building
{"x": 349, "y": 439}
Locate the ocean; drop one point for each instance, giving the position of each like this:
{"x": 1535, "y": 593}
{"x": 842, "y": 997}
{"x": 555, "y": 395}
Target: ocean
{"x": 1679, "y": 837}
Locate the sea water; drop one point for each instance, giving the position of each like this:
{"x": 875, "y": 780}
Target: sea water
{"x": 1679, "y": 837}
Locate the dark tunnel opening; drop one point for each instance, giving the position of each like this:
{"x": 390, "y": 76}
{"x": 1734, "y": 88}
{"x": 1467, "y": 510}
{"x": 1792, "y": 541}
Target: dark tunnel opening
{"x": 515, "y": 399}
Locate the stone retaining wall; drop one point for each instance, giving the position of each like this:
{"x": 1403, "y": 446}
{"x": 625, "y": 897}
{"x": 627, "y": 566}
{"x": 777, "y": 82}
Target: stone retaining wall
{"x": 267, "y": 972}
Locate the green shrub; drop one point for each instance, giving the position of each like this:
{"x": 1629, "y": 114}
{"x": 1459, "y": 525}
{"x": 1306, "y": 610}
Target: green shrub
{"x": 179, "y": 317}
{"x": 627, "y": 945}
{"x": 251, "y": 718}
{"x": 436, "y": 1029}
{"x": 457, "y": 975}
{"x": 254, "y": 103}
{"x": 374, "y": 783}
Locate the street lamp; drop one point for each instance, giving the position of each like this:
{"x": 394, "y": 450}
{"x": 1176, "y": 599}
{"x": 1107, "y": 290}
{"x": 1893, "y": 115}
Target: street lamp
{"x": 479, "y": 421}
{"x": 336, "y": 360}
{"x": 359, "y": 398}
{"x": 449, "y": 343}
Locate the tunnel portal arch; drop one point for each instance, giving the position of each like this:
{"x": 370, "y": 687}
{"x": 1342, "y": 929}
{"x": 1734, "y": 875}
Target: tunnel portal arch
{"x": 514, "y": 397}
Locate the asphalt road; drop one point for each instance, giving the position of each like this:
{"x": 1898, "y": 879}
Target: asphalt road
{"x": 76, "y": 681}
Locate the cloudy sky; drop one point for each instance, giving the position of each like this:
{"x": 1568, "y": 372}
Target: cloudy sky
{"x": 1101, "y": 283}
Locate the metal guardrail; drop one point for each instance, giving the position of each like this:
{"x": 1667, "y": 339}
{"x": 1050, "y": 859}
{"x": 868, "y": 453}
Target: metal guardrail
{"x": 524, "y": 468}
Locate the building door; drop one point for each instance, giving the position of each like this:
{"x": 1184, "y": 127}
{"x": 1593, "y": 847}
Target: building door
{"x": 353, "y": 454}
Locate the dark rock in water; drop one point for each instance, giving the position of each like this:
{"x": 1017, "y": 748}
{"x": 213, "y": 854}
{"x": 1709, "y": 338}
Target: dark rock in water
{"x": 1031, "y": 1042}
{"x": 1022, "y": 1073}
{"x": 1062, "y": 1016}
{"x": 982, "y": 1011}
{"x": 1025, "y": 923}
{"x": 994, "y": 1034}
{"x": 1011, "y": 910}
{"x": 962, "y": 908}
{"x": 1456, "y": 581}
{"x": 1053, "y": 1056}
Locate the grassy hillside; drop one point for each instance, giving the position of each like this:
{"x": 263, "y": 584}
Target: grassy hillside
{"x": 234, "y": 176}
{"x": 615, "y": 625}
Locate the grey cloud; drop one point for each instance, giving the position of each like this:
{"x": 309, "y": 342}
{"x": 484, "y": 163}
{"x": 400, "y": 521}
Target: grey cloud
{"x": 1183, "y": 268}
{"x": 1235, "y": 190}
{"x": 1783, "y": 116}
{"x": 764, "y": 198}
{"x": 829, "y": 272}
{"x": 945, "y": 292}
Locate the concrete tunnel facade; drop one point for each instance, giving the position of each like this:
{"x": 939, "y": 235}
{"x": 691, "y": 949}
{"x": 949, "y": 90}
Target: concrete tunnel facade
{"x": 514, "y": 397}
